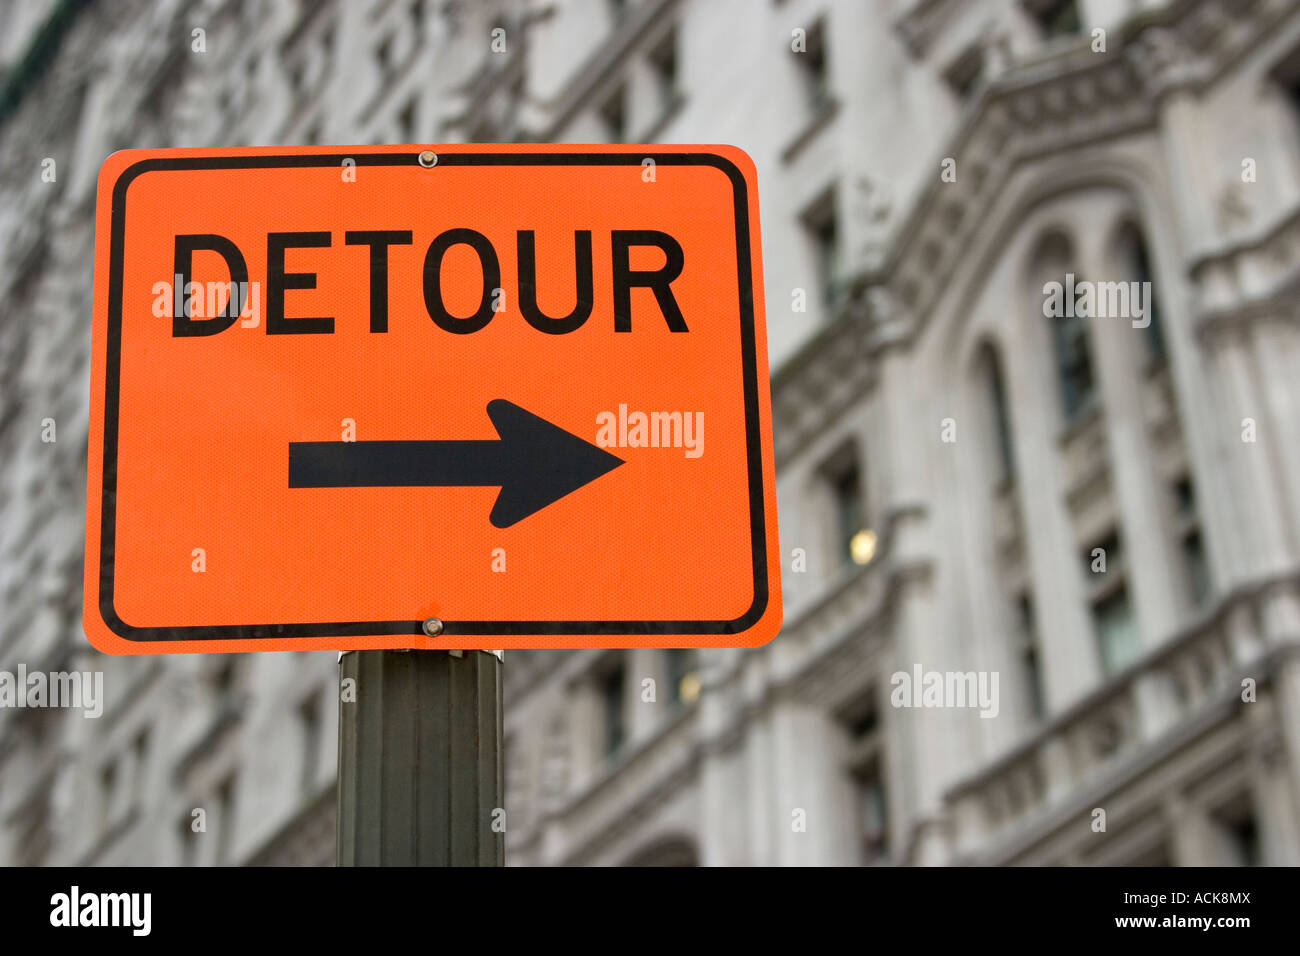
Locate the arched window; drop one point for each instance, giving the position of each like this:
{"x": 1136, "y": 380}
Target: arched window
{"x": 1136, "y": 263}
{"x": 997, "y": 411}
{"x": 1055, "y": 280}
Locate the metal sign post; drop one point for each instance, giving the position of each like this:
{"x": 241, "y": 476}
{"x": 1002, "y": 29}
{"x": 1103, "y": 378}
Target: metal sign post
{"x": 421, "y": 781}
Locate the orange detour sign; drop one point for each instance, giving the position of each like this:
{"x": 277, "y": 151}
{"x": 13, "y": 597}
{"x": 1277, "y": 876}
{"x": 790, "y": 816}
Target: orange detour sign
{"x": 429, "y": 397}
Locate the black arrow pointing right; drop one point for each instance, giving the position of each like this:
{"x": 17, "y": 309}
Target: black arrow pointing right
{"x": 534, "y": 463}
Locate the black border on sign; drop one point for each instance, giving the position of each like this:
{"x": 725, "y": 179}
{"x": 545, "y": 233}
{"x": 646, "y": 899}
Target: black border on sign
{"x": 326, "y": 629}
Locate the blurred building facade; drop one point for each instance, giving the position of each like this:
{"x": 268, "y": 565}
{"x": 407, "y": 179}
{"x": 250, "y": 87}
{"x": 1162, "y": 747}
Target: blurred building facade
{"x": 951, "y": 461}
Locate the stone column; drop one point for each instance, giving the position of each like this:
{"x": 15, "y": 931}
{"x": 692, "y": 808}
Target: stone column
{"x": 1192, "y": 839}
{"x": 1170, "y": 70}
{"x": 991, "y": 626}
{"x": 1070, "y": 663}
{"x": 1262, "y": 525}
{"x": 1276, "y": 354}
{"x": 724, "y": 792}
{"x": 586, "y": 725}
{"x": 1286, "y": 681}
{"x": 760, "y": 795}
{"x": 1141, "y": 500}
{"x": 1150, "y": 558}
{"x": 928, "y": 737}
{"x": 645, "y": 717}
{"x": 811, "y": 822}
{"x": 1276, "y": 807}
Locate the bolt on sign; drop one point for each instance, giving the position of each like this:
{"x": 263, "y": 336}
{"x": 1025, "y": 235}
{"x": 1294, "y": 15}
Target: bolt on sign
{"x": 429, "y": 397}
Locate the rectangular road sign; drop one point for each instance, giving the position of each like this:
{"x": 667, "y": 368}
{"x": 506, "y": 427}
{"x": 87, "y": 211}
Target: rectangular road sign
{"x": 429, "y": 397}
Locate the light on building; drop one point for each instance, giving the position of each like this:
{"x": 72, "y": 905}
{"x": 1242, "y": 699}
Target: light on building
{"x": 862, "y": 546}
{"x": 688, "y": 690}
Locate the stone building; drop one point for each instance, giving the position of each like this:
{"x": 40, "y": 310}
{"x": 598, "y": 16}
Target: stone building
{"x": 1097, "y": 510}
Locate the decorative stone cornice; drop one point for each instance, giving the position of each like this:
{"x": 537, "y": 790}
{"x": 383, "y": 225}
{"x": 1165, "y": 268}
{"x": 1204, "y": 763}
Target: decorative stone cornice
{"x": 812, "y": 393}
{"x": 592, "y": 77}
{"x": 1190, "y": 43}
{"x": 1281, "y": 304}
{"x": 1249, "y": 279}
{"x": 525, "y": 672}
{"x": 1096, "y": 747}
{"x": 822, "y": 653}
{"x": 1166, "y": 61}
{"x": 620, "y": 800}
{"x": 305, "y": 840}
{"x": 923, "y": 21}
{"x": 1030, "y": 112}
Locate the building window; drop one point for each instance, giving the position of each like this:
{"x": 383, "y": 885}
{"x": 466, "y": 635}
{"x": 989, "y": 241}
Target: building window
{"x": 873, "y": 820}
{"x": 406, "y": 120}
{"x": 1155, "y": 330}
{"x": 1138, "y": 263}
{"x": 866, "y": 774}
{"x": 188, "y": 839}
{"x": 964, "y": 75}
{"x": 998, "y": 411}
{"x": 510, "y": 125}
{"x": 682, "y": 671}
{"x": 225, "y": 820}
{"x": 225, "y": 684}
{"x": 1287, "y": 77}
{"x": 309, "y": 720}
{"x": 1117, "y": 636}
{"x": 613, "y": 114}
{"x": 107, "y": 795}
{"x": 814, "y": 70}
{"x": 384, "y": 58}
{"x": 1055, "y": 18}
{"x": 505, "y": 26}
{"x": 1073, "y": 364}
{"x": 855, "y": 542}
{"x": 1112, "y": 612}
{"x": 663, "y": 63}
{"x": 1027, "y": 652}
{"x": 1051, "y": 266}
{"x": 612, "y": 689}
{"x": 1109, "y": 564}
{"x": 139, "y": 765}
{"x": 865, "y": 722}
{"x": 1238, "y": 832}
{"x": 821, "y": 223}
{"x": 1245, "y": 841}
{"x": 223, "y": 678}
{"x": 1187, "y": 527}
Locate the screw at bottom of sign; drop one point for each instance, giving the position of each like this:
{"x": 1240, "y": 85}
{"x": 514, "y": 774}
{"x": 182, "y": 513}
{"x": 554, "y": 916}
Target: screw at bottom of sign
{"x": 433, "y": 627}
